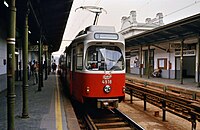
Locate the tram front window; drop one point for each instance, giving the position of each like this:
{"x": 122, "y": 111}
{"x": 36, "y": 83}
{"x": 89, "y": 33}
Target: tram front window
{"x": 104, "y": 58}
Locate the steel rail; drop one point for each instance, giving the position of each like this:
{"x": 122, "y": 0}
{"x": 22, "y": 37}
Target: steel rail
{"x": 135, "y": 125}
{"x": 89, "y": 122}
{"x": 108, "y": 119}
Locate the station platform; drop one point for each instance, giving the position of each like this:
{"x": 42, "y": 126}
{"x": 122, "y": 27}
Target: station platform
{"x": 188, "y": 83}
{"x": 48, "y": 109}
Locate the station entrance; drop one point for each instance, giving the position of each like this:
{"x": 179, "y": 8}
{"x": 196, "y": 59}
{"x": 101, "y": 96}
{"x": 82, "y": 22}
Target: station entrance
{"x": 188, "y": 67}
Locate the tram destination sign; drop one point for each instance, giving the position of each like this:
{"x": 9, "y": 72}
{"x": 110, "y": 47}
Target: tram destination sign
{"x": 106, "y": 36}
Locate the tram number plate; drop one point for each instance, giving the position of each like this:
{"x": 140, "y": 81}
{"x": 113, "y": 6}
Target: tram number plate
{"x": 106, "y": 81}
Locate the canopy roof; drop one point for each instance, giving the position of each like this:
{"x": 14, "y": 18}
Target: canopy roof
{"x": 46, "y": 17}
{"x": 184, "y": 28}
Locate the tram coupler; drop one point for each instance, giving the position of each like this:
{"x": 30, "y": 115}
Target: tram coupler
{"x": 107, "y": 103}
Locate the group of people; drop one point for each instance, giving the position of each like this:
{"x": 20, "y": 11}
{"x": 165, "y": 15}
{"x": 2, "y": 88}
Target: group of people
{"x": 34, "y": 68}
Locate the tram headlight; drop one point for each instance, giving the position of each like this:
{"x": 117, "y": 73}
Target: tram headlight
{"x": 88, "y": 90}
{"x": 107, "y": 89}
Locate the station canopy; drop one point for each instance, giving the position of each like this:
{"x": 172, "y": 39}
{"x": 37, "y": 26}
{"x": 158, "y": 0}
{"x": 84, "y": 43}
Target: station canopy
{"x": 46, "y": 17}
{"x": 181, "y": 29}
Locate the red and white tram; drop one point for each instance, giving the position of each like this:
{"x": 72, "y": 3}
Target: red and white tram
{"x": 95, "y": 67}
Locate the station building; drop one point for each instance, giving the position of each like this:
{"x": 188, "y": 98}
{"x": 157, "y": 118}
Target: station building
{"x": 172, "y": 48}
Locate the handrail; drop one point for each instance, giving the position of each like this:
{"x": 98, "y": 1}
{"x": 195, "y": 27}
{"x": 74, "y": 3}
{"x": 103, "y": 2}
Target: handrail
{"x": 185, "y": 108}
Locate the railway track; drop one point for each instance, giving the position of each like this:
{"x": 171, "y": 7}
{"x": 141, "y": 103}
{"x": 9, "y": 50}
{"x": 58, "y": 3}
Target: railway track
{"x": 104, "y": 119}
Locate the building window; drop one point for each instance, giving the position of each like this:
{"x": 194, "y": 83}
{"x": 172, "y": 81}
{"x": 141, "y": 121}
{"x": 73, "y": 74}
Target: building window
{"x": 162, "y": 63}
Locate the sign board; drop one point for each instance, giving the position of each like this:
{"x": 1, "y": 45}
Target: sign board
{"x": 186, "y": 53}
{"x": 178, "y": 46}
{"x": 35, "y": 48}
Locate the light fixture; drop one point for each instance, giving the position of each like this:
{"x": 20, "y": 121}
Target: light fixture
{"x": 5, "y": 3}
{"x": 88, "y": 90}
{"x": 107, "y": 89}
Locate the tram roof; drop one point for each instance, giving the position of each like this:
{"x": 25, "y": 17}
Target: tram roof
{"x": 88, "y": 34}
{"x": 183, "y": 28}
{"x": 46, "y": 17}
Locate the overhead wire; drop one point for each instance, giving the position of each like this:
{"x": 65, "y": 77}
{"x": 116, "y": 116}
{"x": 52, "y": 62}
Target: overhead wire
{"x": 88, "y": 15}
{"x": 185, "y": 7}
{"x": 81, "y": 22}
{"x": 196, "y": 2}
{"x": 78, "y": 22}
{"x": 63, "y": 45}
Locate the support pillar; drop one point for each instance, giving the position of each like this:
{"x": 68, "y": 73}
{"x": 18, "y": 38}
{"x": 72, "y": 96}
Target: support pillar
{"x": 49, "y": 62}
{"x": 141, "y": 66}
{"x": 181, "y": 62}
{"x": 198, "y": 62}
{"x": 40, "y": 65}
{"x": 45, "y": 65}
{"x": 25, "y": 70}
{"x": 11, "y": 66}
{"x": 148, "y": 65}
{"x": 17, "y": 68}
{"x": 169, "y": 63}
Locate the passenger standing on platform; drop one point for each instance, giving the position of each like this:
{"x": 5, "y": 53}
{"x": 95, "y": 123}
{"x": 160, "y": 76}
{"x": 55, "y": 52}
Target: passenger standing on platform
{"x": 35, "y": 72}
{"x": 54, "y": 66}
{"x": 28, "y": 68}
{"x": 32, "y": 68}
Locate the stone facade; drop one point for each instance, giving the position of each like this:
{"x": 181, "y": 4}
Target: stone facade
{"x": 131, "y": 27}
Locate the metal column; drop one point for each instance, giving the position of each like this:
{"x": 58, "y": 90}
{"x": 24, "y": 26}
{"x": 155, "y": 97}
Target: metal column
{"x": 148, "y": 66}
{"x": 198, "y": 62}
{"x": 141, "y": 61}
{"x": 181, "y": 62}
{"x": 49, "y": 62}
{"x": 169, "y": 62}
{"x": 45, "y": 65}
{"x": 25, "y": 70}
{"x": 11, "y": 66}
{"x": 40, "y": 64}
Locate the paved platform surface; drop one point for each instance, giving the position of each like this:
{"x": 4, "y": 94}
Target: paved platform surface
{"x": 45, "y": 108}
{"x": 188, "y": 83}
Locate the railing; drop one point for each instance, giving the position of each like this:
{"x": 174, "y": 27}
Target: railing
{"x": 181, "y": 103}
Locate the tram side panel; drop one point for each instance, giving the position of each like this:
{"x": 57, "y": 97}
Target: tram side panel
{"x": 85, "y": 85}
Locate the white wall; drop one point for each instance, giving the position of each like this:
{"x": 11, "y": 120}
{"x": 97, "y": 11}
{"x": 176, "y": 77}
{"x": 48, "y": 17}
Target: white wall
{"x": 3, "y": 47}
{"x": 158, "y": 53}
{"x": 3, "y": 54}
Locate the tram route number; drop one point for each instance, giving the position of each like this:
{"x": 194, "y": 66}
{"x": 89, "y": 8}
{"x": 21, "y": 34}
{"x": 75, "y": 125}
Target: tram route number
{"x": 106, "y": 81}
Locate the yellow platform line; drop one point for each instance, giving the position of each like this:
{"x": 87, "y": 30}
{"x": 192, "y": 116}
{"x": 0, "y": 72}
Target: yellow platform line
{"x": 58, "y": 107}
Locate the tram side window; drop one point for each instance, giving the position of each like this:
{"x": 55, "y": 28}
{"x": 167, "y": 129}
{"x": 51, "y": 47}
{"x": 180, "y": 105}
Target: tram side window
{"x": 79, "y": 56}
{"x": 92, "y": 59}
{"x": 79, "y": 65}
{"x": 68, "y": 61}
